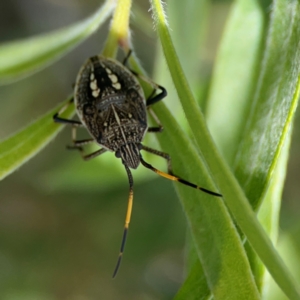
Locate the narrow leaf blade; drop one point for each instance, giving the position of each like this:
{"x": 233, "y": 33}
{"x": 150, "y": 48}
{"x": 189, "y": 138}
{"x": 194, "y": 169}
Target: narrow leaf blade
{"x": 24, "y": 57}
{"x": 19, "y": 148}
{"x": 233, "y": 194}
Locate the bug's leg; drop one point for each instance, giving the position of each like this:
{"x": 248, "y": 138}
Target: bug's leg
{"x": 75, "y": 124}
{"x": 93, "y": 154}
{"x": 80, "y": 149}
{"x": 158, "y": 128}
{"x": 152, "y": 99}
{"x": 78, "y": 145}
{"x": 57, "y": 119}
{"x": 127, "y": 220}
{"x": 176, "y": 178}
{"x": 127, "y": 57}
{"x": 164, "y": 155}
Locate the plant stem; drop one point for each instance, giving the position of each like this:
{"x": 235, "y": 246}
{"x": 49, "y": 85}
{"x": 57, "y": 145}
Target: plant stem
{"x": 119, "y": 33}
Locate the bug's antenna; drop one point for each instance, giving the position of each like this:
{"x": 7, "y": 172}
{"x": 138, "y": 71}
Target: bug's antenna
{"x": 178, "y": 179}
{"x": 127, "y": 220}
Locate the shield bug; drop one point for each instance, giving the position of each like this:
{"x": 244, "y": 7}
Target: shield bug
{"x": 111, "y": 105}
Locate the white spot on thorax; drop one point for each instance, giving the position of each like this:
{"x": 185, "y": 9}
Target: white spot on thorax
{"x": 113, "y": 78}
{"x": 108, "y": 71}
{"x": 93, "y": 85}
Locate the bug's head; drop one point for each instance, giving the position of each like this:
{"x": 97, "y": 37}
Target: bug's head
{"x": 130, "y": 154}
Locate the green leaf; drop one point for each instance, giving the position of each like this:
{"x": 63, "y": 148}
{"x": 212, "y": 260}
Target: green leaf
{"x": 195, "y": 286}
{"x": 24, "y": 57}
{"x": 19, "y": 148}
{"x": 234, "y": 77}
{"x": 220, "y": 250}
{"x": 242, "y": 75}
{"x": 290, "y": 251}
{"x": 235, "y": 74}
{"x": 275, "y": 102}
{"x": 269, "y": 211}
{"x": 217, "y": 242}
{"x": 277, "y": 94}
{"x": 189, "y": 35}
{"x": 233, "y": 194}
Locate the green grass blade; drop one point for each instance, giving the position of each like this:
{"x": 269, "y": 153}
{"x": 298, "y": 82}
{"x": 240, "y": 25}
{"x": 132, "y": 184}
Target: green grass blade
{"x": 216, "y": 238}
{"x": 233, "y": 194}
{"x": 269, "y": 211}
{"x": 189, "y": 35}
{"x": 233, "y": 79}
{"x": 232, "y": 87}
{"x": 186, "y": 35}
{"x": 217, "y": 233}
{"x": 218, "y": 245}
{"x": 234, "y": 76}
{"x": 277, "y": 94}
{"x": 19, "y": 148}
{"x": 274, "y": 104}
{"x": 195, "y": 286}
{"x": 24, "y": 57}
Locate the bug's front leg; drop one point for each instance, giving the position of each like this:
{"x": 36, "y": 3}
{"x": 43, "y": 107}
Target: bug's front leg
{"x": 60, "y": 120}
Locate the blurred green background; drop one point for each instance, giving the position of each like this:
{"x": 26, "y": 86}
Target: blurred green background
{"x": 61, "y": 219}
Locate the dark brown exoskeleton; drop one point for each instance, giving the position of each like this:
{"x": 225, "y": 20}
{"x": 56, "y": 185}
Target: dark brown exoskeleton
{"x": 111, "y": 105}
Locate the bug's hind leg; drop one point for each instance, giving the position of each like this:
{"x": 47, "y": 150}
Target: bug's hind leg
{"x": 164, "y": 155}
{"x": 170, "y": 174}
{"x": 178, "y": 179}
